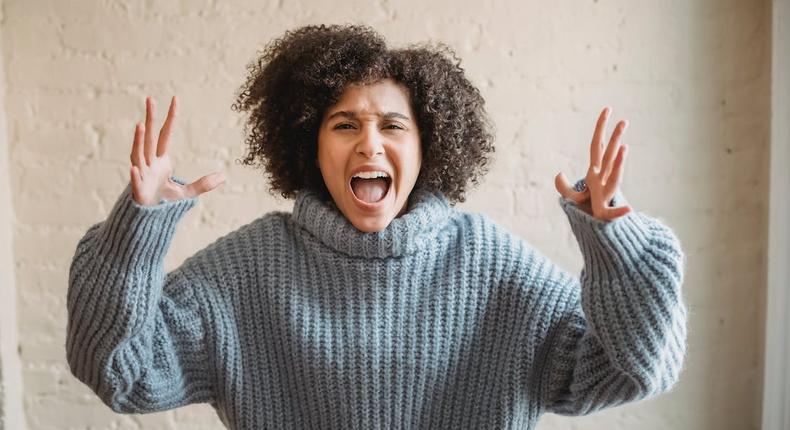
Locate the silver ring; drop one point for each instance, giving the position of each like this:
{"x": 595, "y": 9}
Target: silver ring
{"x": 580, "y": 185}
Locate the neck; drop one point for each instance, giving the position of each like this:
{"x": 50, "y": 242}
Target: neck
{"x": 416, "y": 226}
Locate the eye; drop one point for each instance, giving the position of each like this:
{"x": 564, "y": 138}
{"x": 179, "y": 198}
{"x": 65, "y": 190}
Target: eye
{"x": 396, "y": 126}
{"x": 342, "y": 126}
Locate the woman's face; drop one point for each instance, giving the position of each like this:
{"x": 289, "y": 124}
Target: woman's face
{"x": 371, "y": 128}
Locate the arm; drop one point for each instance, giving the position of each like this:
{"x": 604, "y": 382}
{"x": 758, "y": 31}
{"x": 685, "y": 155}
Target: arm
{"x": 619, "y": 333}
{"x": 136, "y": 336}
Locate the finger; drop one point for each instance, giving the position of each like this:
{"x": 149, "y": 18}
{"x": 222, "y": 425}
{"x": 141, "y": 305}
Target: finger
{"x": 612, "y": 213}
{"x": 136, "y": 176}
{"x": 617, "y": 172}
{"x": 136, "y": 180}
{"x": 612, "y": 150}
{"x": 566, "y": 189}
{"x": 166, "y": 131}
{"x": 204, "y": 184}
{"x": 136, "y": 156}
{"x": 149, "y": 130}
{"x": 596, "y": 148}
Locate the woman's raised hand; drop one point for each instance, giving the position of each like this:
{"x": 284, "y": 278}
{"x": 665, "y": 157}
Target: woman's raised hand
{"x": 151, "y": 165}
{"x": 604, "y": 174}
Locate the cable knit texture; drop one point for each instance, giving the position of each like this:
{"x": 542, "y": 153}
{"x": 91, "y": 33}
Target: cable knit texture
{"x": 442, "y": 320}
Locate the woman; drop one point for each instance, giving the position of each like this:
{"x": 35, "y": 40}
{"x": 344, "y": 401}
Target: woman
{"x": 375, "y": 303}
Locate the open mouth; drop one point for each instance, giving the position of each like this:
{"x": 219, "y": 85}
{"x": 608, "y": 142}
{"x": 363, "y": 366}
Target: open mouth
{"x": 371, "y": 190}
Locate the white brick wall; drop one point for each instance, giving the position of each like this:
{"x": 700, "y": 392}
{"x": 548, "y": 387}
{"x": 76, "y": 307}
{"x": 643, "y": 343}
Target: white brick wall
{"x": 691, "y": 76}
{"x": 11, "y": 414}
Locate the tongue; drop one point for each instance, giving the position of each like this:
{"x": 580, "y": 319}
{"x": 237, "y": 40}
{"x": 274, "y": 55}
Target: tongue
{"x": 369, "y": 190}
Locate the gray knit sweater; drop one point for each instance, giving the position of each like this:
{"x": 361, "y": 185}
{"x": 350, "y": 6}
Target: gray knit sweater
{"x": 442, "y": 320}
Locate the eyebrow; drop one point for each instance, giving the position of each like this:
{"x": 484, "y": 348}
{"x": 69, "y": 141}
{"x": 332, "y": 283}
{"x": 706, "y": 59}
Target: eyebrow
{"x": 353, "y": 115}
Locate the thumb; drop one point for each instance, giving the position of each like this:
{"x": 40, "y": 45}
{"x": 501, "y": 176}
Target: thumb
{"x": 204, "y": 184}
{"x": 561, "y": 184}
{"x": 566, "y": 189}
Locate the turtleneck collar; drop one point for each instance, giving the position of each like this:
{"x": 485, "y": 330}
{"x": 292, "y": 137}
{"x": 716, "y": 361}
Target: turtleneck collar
{"x": 427, "y": 213}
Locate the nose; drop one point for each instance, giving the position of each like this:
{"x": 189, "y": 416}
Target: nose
{"x": 370, "y": 143}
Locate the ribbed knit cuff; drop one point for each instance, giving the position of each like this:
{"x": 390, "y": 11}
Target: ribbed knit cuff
{"x": 140, "y": 235}
{"x": 607, "y": 246}
{"x": 631, "y": 280}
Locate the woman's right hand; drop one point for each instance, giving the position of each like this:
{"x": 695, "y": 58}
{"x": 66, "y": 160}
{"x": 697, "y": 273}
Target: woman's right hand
{"x": 151, "y": 165}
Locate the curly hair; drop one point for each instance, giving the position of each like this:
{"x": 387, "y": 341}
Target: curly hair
{"x": 300, "y": 75}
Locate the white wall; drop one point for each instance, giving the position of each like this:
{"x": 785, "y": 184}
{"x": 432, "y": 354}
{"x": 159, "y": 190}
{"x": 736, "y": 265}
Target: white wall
{"x": 691, "y": 76}
{"x": 11, "y": 414}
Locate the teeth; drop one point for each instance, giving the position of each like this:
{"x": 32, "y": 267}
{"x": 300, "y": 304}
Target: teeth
{"x": 372, "y": 174}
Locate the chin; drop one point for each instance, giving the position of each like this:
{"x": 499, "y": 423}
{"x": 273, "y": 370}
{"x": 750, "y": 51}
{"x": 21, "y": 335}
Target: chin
{"x": 372, "y": 225}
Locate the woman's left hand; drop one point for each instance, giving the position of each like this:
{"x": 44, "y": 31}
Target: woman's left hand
{"x": 603, "y": 176}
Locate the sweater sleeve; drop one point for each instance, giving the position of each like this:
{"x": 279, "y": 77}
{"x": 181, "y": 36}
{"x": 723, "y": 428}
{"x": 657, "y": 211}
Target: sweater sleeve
{"x": 136, "y": 335}
{"x": 619, "y": 333}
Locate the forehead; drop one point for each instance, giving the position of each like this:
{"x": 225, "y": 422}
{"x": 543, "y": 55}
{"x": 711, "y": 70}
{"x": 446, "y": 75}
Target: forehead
{"x": 382, "y": 96}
